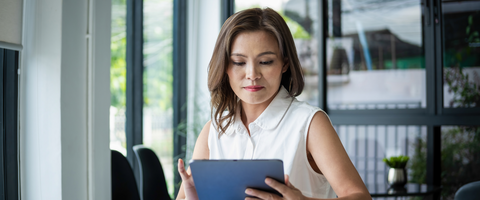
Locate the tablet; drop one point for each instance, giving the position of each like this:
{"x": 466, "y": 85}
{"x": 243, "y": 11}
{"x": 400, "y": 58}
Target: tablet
{"x": 228, "y": 179}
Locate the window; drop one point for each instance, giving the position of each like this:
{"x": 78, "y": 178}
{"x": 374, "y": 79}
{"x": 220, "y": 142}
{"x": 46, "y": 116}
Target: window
{"x": 373, "y": 59}
{"x": 460, "y": 157}
{"x": 145, "y": 99}
{"x": 9, "y": 124}
{"x": 396, "y": 77}
{"x": 118, "y": 77}
{"x": 367, "y": 145}
{"x": 461, "y": 47}
{"x": 158, "y": 83}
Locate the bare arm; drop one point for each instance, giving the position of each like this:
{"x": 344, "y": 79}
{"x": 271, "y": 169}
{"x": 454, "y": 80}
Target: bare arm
{"x": 332, "y": 159}
{"x": 200, "y": 151}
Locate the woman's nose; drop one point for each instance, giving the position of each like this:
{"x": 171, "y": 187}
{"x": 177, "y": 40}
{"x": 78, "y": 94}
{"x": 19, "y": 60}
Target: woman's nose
{"x": 252, "y": 72}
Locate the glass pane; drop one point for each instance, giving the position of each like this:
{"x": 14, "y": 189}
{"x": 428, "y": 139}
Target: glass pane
{"x": 118, "y": 77}
{"x": 461, "y": 54}
{"x": 375, "y": 57}
{"x": 158, "y": 83}
{"x": 302, "y": 19}
{"x": 368, "y": 145}
{"x": 460, "y": 158}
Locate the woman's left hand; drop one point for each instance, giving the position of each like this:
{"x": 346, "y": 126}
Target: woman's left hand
{"x": 287, "y": 190}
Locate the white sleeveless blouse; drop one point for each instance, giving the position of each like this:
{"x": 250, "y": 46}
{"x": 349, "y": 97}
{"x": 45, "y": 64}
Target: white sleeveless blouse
{"x": 280, "y": 132}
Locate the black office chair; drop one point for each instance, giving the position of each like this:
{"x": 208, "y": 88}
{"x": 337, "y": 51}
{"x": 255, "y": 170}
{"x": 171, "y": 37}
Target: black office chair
{"x": 152, "y": 179}
{"x": 470, "y": 191}
{"x": 124, "y": 186}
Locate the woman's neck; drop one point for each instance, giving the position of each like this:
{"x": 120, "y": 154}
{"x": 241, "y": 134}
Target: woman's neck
{"x": 250, "y": 112}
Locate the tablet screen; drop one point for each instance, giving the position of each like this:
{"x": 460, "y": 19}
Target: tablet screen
{"x": 228, "y": 179}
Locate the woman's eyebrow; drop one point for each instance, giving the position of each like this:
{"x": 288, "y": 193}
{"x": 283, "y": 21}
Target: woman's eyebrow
{"x": 261, "y": 54}
{"x": 238, "y": 54}
{"x": 266, "y": 53}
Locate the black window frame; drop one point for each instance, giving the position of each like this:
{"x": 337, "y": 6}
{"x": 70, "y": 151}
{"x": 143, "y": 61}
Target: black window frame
{"x": 9, "y": 174}
{"x": 180, "y": 74}
{"x": 134, "y": 84}
{"x": 227, "y": 10}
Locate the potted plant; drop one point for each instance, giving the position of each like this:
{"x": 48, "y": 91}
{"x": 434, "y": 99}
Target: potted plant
{"x": 397, "y": 175}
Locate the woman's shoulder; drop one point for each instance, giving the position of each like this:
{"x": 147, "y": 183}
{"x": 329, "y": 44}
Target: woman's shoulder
{"x": 303, "y": 107}
{"x": 206, "y": 128}
{"x": 310, "y": 112}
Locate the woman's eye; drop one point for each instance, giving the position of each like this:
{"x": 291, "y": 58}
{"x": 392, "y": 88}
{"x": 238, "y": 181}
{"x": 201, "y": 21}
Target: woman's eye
{"x": 267, "y": 62}
{"x": 238, "y": 63}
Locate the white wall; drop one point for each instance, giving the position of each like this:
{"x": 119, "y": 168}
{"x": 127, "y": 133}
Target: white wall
{"x": 203, "y": 28}
{"x": 40, "y": 123}
{"x": 64, "y": 100}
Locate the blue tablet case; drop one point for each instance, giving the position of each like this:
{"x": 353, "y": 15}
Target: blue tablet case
{"x": 228, "y": 179}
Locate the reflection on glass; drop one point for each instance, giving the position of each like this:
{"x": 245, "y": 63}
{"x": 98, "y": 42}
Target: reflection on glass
{"x": 460, "y": 158}
{"x": 118, "y": 77}
{"x": 368, "y": 145}
{"x": 301, "y": 18}
{"x": 461, "y": 56}
{"x": 158, "y": 83}
{"x": 375, "y": 57}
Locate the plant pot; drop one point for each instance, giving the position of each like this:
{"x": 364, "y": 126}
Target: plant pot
{"x": 396, "y": 190}
{"x": 397, "y": 177}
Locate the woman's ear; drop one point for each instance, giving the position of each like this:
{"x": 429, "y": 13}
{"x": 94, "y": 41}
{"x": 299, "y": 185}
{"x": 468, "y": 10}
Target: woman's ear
{"x": 286, "y": 64}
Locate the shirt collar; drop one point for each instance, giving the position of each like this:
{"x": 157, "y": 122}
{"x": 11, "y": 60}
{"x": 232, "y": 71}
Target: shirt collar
{"x": 271, "y": 116}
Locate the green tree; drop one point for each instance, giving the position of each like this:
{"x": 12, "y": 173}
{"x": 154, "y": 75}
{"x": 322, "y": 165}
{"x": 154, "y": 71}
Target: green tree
{"x": 460, "y": 151}
{"x": 118, "y": 70}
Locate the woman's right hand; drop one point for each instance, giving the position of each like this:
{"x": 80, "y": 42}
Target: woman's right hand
{"x": 187, "y": 182}
{"x": 201, "y": 152}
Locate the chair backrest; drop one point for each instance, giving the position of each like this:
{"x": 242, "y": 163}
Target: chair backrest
{"x": 470, "y": 191}
{"x": 124, "y": 186}
{"x": 152, "y": 178}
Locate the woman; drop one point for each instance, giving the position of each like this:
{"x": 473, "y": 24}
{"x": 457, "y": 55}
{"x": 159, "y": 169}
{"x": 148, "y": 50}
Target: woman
{"x": 253, "y": 78}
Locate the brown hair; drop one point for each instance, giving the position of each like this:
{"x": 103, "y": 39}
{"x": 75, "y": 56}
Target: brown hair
{"x": 255, "y": 19}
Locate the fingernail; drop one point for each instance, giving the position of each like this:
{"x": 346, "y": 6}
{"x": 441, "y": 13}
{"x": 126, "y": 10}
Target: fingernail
{"x": 268, "y": 181}
{"x": 248, "y": 191}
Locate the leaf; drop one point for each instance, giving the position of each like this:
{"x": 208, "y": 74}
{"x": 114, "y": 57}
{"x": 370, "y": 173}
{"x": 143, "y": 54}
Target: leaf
{"x": 396, "y": 162}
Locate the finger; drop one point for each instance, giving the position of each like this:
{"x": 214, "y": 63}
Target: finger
{"x": 251, "y": 198}
{"x": 288, "y": 183}
{"x": 258, "y": 194}
{"x": 181, "y": 169}
{"x": 287, "y": 180}
{"x": 280, "y": 187}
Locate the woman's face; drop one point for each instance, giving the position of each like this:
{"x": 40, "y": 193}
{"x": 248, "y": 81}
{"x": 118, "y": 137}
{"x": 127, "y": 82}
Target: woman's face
{"x": 256, "y": 67}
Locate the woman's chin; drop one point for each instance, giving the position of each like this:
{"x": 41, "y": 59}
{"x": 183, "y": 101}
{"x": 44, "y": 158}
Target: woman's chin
{"x": 256, "y": 99}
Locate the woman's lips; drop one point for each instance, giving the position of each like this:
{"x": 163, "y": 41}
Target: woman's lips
{"x": 253, "y": 88}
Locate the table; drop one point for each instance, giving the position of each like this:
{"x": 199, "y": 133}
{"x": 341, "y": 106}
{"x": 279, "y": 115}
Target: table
{"x": 410, "y": 189}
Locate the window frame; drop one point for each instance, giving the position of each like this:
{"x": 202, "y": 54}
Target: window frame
{"x": 134, "y": 84}
{"x": 9, "y": 173}
{"x": 227, "y": 10}
{"x": 180, "y": 74}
